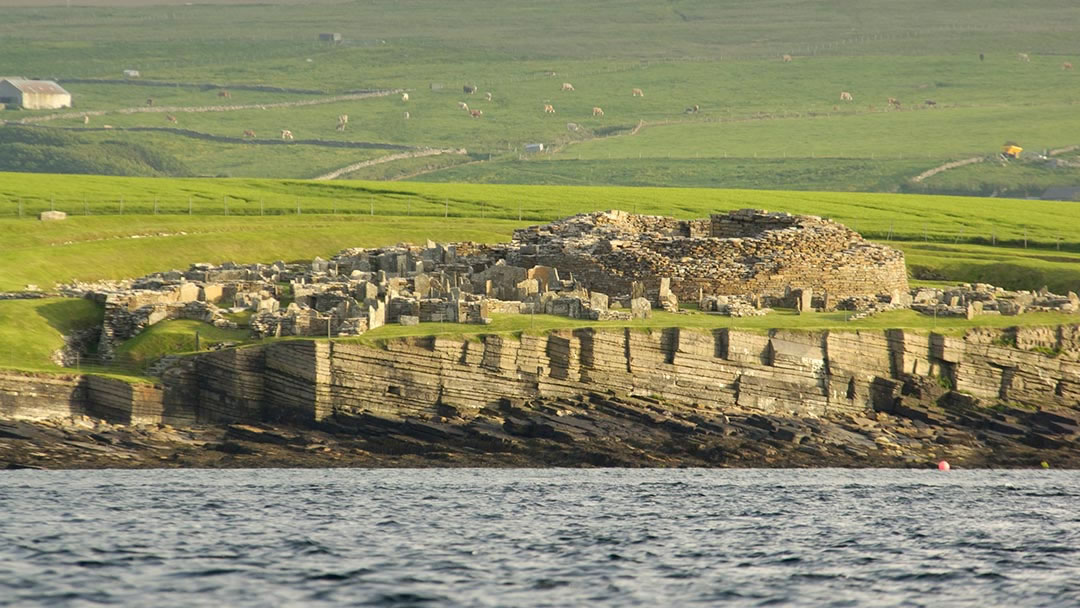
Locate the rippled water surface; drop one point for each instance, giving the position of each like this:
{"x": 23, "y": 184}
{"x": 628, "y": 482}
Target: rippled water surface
{"x": 539, "y": 538}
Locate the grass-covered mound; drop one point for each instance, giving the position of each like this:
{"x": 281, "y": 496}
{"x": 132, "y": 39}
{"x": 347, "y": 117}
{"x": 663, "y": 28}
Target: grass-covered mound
{"x": 40, "y": 150}
{"x": 31, "y": 330}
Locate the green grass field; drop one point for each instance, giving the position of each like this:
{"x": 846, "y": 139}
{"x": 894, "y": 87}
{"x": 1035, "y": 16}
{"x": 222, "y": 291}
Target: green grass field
{"x": 757, "y": 113}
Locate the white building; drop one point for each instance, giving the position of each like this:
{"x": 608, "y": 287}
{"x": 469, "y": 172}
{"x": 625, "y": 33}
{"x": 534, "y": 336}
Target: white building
{"x": 33, "y": 94}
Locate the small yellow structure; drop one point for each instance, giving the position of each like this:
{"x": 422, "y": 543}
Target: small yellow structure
{"x": 1011, "y": 151}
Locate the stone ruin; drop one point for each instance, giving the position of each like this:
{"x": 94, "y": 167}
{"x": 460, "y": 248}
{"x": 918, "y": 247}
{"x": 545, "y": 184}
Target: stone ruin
{"x": 599, "y": 266}
{"x": 749, "y": 253}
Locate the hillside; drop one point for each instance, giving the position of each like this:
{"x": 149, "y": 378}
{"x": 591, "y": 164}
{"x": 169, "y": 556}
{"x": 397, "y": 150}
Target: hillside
{"x": 720, "y": 107}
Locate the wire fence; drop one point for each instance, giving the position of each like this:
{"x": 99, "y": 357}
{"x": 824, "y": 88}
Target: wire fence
{"x": 881, "y": 225}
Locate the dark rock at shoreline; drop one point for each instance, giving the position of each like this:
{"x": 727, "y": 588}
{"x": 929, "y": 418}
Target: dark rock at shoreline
{"x": 590, "y": 430}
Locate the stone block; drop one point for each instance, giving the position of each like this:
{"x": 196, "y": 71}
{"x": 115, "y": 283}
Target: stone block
{"x": 52, "y": 216}
{"x": 640, "y": 308}
{"x": 409, "y": 320}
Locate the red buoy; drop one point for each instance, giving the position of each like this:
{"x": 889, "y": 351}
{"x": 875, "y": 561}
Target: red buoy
{"x": 943, "y": 465}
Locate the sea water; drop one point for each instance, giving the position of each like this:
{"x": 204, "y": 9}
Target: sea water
{"x": 539, "y": 537}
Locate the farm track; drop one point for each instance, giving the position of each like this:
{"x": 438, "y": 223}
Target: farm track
{"x": 385, "y": 159}
{"x": 194, "y": 109}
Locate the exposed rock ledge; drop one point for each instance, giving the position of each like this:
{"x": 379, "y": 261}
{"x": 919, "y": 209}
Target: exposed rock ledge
{"x": 585, "y": 397}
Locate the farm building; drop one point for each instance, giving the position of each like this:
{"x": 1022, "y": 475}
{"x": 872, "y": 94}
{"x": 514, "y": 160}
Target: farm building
{"x": 33, "y": 94}
{"x": 331, "y": 37}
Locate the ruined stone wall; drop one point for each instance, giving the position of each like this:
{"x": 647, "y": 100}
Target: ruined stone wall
{"x": 744, "y": 252}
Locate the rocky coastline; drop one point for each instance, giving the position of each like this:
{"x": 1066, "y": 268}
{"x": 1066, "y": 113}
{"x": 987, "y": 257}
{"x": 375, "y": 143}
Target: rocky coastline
{"x": 595, "y": 430}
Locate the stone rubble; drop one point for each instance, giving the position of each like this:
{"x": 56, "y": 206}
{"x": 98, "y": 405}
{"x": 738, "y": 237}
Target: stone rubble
{"x": 598, "y": 266}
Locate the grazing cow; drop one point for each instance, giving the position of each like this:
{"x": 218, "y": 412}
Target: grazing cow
{"x": 845, "y": 96}
{"x": 463, "y": 106}
{"x": 249, "y": 134}
{"x": 487, "y": 96}
{"x": 1066, "y": 66}
{"x": 149, "y": 101}
{"x": 637, "y": 93}
{"x": 550, "y": 73}
{"x": 170, "y": 118}
{"x": 106, "y": 126}
{"x": 694, "y": 109}
{"x": 85, "y": 120}
{"x": 476, "y": 113}
{"x": 342, "y": 120}
{"x": 573, "y": 126}
{"x": 406, "y": 116}
{"x": 894, "y": 102}
{"x": 930, "y": 102}
{"x": 981, "y": 57}
{"x": 286, "y": 134}
{"x": 549, "y": 109}
{"x": 224, "y": 94}
{"x": 597, "y": 111}
{"x": 404, "y": 97}
{"x": 566, "y": 86}
{"x": 1024, "y": 57}
{"x": 469, "y": 89}
{"x": 786, "y": 58}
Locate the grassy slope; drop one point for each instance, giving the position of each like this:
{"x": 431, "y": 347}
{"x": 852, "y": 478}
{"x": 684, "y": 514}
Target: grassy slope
{"x": 723, "y": 57}
{"x": 169, "y": 337}
{"x": 31, "y": 330}
{"x": 906, "y": 217}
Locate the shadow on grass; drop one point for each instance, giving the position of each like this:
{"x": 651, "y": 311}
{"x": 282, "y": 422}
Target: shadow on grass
{"x": 66, "y": 316}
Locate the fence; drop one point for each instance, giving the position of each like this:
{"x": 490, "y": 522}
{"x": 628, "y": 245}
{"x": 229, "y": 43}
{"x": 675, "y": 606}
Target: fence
{"x": 882, "y": 225}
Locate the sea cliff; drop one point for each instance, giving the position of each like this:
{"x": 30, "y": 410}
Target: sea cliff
{"x": 991, "y": 396}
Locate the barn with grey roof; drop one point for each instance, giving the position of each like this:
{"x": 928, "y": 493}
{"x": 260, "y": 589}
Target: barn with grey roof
{"x": 33, "y": 94}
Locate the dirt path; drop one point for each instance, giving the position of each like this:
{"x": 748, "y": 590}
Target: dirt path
{"x": 386, "y": 159}
{"x": 954, "y": 164}
{"x": 181, "y": 109}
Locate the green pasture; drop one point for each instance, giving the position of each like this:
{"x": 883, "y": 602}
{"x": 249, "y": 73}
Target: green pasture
{"x": 939, "y": 133}
{"x": 722, "y": 57}
{"x": 862, "y": 174}
{"x": 930, "y": 218}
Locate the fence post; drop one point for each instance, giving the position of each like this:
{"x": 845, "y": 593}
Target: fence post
{"x": 371, "y": 207}
{"x": 196, "y": 340}
{"x": 225, "y": 199}
{"x": 297, "y": 206}
{"x": 260, "y": 207}
{"x": 20, "y": 208}
{"x": 155, "y": 205}
{"x": 446, "y": 208}
{"x": 121, "y": 205}
{"x": 189, "y": 205}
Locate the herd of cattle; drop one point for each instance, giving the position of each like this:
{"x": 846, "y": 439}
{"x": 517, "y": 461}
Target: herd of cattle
{"x": 549, "y": 108}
